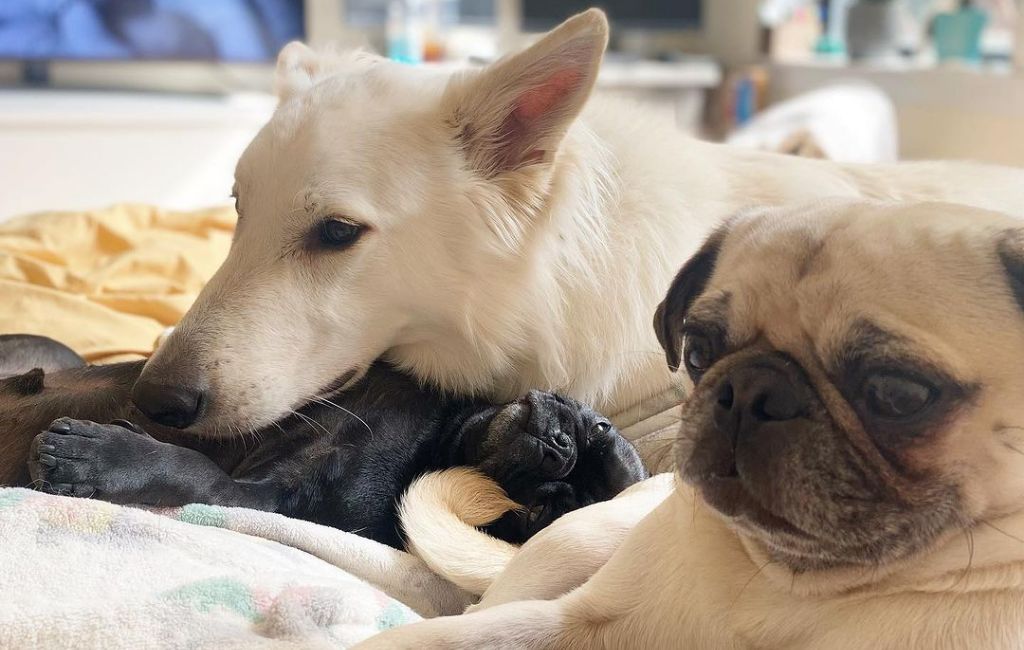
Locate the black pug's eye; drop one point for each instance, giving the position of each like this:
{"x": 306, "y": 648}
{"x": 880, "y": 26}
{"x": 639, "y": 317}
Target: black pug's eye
{"x": 600, "y": 428}
{"x": 896, "y": 397}
{"x": 698, "y": 353}
{"x": 338, "y": 234}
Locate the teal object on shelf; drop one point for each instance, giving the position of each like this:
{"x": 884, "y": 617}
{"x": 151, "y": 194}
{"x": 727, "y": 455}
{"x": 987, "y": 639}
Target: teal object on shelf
{"x": 958, "y": 35}
{"x": 833, "y": 15}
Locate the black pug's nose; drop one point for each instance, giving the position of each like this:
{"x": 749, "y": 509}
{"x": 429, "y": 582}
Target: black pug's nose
{"x": 175, "y": 406}
{"x": 752, "y": 396}
{"x": 546, "y": 411}
{"x": 545, "y": 422}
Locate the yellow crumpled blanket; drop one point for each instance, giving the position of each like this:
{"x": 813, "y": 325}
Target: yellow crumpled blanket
{"x": 107, "y": 282}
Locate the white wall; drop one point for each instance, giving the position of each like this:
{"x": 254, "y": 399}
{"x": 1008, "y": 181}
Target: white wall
{"x": 82, "y": 150}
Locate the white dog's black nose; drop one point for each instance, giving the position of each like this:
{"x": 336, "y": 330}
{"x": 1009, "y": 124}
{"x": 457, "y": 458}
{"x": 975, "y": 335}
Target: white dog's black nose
{"x": 175, "y": 406}
{"x": 753, "y": 395}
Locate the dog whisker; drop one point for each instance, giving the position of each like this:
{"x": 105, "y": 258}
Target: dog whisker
{"x": 1000, "y": 530}
{"x": 236, "y": 432}
{"x": 1012, "y": 448}
{"x": 256, "y": 434}
{"x": 280, "y": 428}
{"x": 310, "y": 421}
{"x": 327, "y": 402}
{"x": 747, "y": 583}
{"x": 1009, "y": 445}
{"x": 968, "y": 531}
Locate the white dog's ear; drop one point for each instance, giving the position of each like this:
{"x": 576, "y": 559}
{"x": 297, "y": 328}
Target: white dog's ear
{"x": 297, "y": 68}
{"x": 515, "y": 112}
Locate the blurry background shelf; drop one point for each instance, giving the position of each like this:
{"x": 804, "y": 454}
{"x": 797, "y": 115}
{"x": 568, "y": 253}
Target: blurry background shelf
{"x": 941, "y": 112}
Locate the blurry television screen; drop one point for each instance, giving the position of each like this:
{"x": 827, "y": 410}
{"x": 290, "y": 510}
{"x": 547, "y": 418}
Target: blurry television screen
{"x": 197, "y": 30}
{"x": 640, "y": 14}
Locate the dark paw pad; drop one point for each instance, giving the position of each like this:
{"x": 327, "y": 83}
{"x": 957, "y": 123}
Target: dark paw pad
{"x": 551, "y": 501}
{"x": 546, "y": 503}
{"x": 78, "y": 458}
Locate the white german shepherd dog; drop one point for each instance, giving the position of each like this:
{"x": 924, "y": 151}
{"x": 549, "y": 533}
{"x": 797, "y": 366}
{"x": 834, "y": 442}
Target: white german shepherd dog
{"x": 489, "y": 231}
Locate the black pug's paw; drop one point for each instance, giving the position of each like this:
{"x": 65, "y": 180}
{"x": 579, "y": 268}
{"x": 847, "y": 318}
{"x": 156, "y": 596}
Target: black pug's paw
{"x": 548, "y": 502}
{"x": 85, "y": 459}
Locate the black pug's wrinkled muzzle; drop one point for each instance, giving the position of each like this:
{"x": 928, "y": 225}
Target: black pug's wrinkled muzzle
{"x": 554, "y": 423}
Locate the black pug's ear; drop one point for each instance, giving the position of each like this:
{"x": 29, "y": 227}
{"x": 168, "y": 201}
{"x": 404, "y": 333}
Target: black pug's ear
{"x": 1010, "y": 247}
{"x": 688, "y": 284}
{"x": 29, "y": 383}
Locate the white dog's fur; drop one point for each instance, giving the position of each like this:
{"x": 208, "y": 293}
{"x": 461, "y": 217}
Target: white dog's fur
{"x": 519, "y": 236}
{"x": 690, "y": 577}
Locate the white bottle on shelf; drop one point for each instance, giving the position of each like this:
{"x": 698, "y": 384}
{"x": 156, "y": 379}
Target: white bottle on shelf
{"x": 406, "y": 30}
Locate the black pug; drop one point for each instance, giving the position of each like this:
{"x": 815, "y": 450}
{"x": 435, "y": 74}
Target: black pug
{"x": 343, "y": 463}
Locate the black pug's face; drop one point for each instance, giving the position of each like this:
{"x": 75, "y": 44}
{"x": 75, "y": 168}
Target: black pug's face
{"x": 552, "y": 454}
{"x": 857, "y": 385}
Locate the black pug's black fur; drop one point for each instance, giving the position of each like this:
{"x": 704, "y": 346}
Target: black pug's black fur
{"x": 342, "y": 463}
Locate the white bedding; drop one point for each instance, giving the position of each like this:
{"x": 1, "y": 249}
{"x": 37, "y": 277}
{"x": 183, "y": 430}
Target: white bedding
{"x": 78, "y": 573}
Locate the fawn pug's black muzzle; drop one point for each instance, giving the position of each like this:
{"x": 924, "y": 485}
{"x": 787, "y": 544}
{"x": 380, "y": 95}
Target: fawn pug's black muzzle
{"x": 755, "y": 410}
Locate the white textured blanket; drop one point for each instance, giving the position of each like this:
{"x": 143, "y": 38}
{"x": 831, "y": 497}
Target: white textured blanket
{"x": 79, "y": 573}
{"x": 652, "y": 425}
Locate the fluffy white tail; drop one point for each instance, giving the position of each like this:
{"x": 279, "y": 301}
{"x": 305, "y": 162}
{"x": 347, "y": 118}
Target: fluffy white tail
{"x": 439, "y": 514}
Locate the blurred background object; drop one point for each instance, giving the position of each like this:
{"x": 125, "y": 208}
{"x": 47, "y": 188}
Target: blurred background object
{"x": 873, "y": 29}
{"x": 220, "y": 30}
{"x": 851, "y": 122}
{"x": 153, "y": 100}
{"x": 911, "y": 33}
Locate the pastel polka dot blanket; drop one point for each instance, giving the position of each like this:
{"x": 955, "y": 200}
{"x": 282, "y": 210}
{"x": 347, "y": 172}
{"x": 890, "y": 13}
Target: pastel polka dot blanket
{"x": 79, "y": 573}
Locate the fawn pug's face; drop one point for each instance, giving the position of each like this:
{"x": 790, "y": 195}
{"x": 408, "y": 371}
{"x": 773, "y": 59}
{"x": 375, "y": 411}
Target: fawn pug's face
{"x": 858, "y": 391}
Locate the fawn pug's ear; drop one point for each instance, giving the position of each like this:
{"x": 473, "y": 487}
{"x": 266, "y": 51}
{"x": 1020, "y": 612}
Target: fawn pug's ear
{"x": 688, "y": 284}
{"x": 515, "y": 112}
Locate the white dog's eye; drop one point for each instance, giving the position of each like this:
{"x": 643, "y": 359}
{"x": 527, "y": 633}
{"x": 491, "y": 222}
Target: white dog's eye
{"x": 338, "y": 233}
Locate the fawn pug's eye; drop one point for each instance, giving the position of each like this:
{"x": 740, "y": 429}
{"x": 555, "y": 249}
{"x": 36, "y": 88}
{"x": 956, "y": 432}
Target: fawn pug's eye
{"x": 896, "y": 397}
{"x": 338, "y": 234}
{"x": 698, "y": 353}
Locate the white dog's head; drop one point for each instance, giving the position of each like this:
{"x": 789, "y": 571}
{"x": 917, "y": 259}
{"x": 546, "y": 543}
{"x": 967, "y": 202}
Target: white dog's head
{"x": 382, "y": 210}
